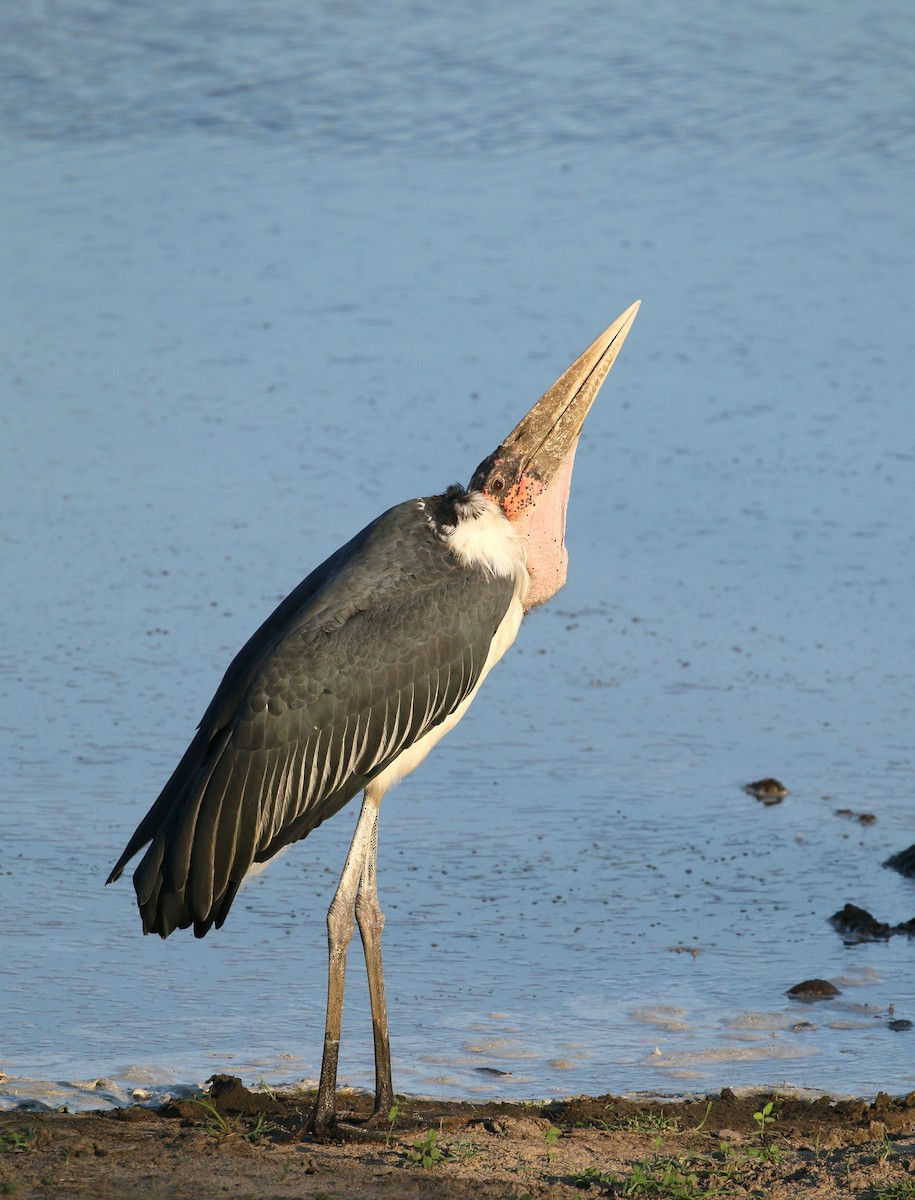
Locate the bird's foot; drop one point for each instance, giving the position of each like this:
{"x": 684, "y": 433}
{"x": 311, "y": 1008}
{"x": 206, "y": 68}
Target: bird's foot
{"x": 332, "y": 1129}
{"x": 323, "y": 1126}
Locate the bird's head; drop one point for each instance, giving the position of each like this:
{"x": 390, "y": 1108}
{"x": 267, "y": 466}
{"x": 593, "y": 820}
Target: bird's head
{"x": 530, "y": 474}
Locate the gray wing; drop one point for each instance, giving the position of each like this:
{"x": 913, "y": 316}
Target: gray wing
{"x": 376, "y": 647}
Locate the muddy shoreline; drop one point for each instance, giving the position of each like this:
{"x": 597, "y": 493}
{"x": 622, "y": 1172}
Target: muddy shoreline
{"x": 232, "y": 1142}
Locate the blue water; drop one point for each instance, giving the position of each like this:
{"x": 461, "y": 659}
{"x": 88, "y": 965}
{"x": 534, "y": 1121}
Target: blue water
{"x": 265, "y": 274}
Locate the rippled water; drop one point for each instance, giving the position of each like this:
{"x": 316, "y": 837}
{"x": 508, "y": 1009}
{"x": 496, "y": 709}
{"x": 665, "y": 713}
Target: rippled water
{"x": 410, "y": 78}
{"x": 265, "y": 277}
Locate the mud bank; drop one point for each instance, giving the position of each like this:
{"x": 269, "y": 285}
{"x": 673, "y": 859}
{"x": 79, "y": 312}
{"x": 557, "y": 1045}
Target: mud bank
{"x": 237, "y": 1143}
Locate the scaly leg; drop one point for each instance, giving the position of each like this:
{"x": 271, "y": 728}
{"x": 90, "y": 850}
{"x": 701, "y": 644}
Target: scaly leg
{"x": 340, "y": 925}
{"x": 371, "y": 923}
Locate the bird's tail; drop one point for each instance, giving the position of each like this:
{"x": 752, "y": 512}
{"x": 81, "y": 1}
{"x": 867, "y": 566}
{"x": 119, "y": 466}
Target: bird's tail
{"x": 179, "y": 882}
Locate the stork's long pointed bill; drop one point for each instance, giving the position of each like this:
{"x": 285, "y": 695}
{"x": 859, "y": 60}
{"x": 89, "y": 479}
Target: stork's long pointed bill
{"x": 528, "y": 459}
{"x": 530, "y": 474}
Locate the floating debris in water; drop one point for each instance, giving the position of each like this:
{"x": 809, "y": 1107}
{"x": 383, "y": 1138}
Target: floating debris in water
{"x": 899, "y": 1025}
{"x": 769, "y": 791}
{"x": 813, "y": 989}
{"x": 903, "y": 862}
{"x": 693, "y": 950}
{"x": 849, "y": 814}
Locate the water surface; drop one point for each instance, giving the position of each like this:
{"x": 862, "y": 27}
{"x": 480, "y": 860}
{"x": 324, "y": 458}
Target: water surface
{"x": 264, "y": 279}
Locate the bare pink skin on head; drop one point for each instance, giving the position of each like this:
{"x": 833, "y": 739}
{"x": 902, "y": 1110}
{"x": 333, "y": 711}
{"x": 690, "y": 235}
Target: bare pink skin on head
{"x": 538, "y": 514}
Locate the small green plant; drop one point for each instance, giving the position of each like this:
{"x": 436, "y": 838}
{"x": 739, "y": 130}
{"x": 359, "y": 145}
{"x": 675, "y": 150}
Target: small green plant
{"x": 427, "y": 1153}
{"x": 392, "y": 1117}
{"x": 217, "y": 1124}
{"x": 17, "y": 1141}
{"x": 708, "y": 1110}
{"x": 766, "y": 1151}
{"x": 660, "y": 1177}
{"x": 904, "y": 1189}
{"x": 463, "y": 1149}
{"x": 551, "y": 1137}
{"x": 646, "y": 1120}
{"x": 764, "y": 1118}
{"x": 885, "y": 1146}
{"x": 591, "y": 1175}
{"x": 260, "y": 1129}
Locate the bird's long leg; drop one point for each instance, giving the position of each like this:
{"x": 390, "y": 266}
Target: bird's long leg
{"x": 370, "y": 919}
{"x": 340, "y": 925}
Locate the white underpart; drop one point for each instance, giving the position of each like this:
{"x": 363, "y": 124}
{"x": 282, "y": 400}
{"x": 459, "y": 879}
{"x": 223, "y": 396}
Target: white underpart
{"x": 483, "y": 537}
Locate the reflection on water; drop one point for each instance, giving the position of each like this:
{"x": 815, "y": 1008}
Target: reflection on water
{"x": 244, "y": 315}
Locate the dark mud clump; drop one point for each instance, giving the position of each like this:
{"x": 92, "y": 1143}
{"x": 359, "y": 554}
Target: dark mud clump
{"x": 769, "y": 791}
{"x": 813, "y": 989}
{"x": 858, "y": 925}
{"x": 903, "y": 862}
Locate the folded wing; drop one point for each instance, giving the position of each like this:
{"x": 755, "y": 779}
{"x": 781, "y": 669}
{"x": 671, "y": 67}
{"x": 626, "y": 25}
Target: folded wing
{"x": 375, "y": 648}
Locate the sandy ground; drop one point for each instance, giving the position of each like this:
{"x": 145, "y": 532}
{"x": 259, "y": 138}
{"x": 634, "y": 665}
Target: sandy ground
{"x": 603, "y": 1146}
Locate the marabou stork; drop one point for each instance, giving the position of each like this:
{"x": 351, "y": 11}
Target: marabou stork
{"x": 351, "y": 682}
